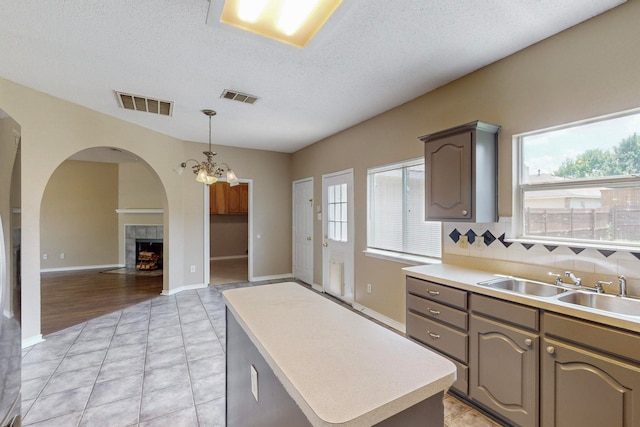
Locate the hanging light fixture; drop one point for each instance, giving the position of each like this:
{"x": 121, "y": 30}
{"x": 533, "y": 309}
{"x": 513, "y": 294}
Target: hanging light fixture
{"x": 207, "y": 171}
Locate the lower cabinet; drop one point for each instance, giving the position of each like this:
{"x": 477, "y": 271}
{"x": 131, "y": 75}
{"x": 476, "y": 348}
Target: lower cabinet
{"x": 503, "y": 361}
{"x": 590, "y": 374}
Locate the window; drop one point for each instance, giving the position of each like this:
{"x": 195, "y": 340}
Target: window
{"x": 580, "y": 183}
{"x": 337, "y": 220}
{"x": 396, "y": 211}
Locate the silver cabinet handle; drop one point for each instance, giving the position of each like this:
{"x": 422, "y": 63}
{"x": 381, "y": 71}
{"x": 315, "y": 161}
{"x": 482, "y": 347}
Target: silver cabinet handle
{"x": 434, "y": 293}
{"x": 465, "y": 212}
{"x": 528, "y": 342}
{"x": 432, "y": 311}
{"x": 432, "y": 335}
{"x": 551, "y": 350}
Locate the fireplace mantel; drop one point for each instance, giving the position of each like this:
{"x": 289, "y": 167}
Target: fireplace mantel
{"x": 139, "y": 211}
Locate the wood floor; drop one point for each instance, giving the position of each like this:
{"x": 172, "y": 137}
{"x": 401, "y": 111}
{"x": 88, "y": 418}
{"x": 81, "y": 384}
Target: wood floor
{"x": 69, "y": 298}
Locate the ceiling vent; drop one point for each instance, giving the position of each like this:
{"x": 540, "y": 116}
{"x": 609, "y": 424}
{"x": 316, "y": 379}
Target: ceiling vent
{"x": 239, "y": 96}
{"x": 142, "y": 103}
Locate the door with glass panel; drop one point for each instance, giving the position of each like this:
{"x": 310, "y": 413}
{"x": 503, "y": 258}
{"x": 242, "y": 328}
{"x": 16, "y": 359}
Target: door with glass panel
{"x": 338, "y": 235}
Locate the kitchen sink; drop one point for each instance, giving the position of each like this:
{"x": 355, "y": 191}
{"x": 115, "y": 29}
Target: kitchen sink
{"x": 610, "y": 303}
{"x": 523, "y": 286}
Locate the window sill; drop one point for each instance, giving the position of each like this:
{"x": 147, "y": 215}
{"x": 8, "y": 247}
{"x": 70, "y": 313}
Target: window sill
{"x": 401, "y": 258}
{"x": 575, "y": 244}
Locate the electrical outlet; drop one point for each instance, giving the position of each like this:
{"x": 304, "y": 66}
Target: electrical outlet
{"x": 45, "y": 256}
{"x": 193, "y": 268}
{"x": 368, "y": 288}
{"x": 463, "y": 242}
{"x": 61, "y": 255}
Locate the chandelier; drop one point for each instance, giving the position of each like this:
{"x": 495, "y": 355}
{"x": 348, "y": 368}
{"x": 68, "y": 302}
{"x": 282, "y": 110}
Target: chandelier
{"x": 207, "y": 171}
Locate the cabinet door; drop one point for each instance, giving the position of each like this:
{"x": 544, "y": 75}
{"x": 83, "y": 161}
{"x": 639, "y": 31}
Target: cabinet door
{"x": 238, "y": 201}
{"x": 449, "y": 179}
{"x": 585, "y": 389}
{"x": 218, "y": 195}
{"x": 503, "y": 368}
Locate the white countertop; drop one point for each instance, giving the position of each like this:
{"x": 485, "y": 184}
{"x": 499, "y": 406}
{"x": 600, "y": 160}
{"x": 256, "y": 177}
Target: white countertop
{"x": 467, "y": 279}
{"x": 340, "y": 368}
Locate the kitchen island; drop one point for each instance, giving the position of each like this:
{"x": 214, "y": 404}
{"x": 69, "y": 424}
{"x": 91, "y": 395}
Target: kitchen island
{"x": 296, "y": 358}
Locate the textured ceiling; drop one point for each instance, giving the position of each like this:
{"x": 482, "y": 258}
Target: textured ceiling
{"x": 373, "y": 56}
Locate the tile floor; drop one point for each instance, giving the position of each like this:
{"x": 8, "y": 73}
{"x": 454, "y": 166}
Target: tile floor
{"x": 157, "y": 363}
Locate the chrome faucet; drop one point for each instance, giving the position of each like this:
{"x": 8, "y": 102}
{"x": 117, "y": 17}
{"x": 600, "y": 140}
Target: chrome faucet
{"x": 623, "y": 285}
{"x": 576, "y": 280}
{"x": 558, "y": 281}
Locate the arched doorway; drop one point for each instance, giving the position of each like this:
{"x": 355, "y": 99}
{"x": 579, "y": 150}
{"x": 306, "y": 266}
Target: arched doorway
{"x": 99, "y": 205}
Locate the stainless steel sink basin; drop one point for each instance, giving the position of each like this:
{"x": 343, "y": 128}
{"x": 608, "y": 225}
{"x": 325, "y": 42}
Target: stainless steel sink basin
{"x": 522, "y": 286}
{"x": 610, "y": 303}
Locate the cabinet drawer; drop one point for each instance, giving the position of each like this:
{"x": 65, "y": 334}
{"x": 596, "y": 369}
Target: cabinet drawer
{"x": 608, "y": 340}
{"x": 438, "y": 336}
{"x": 437, "y": 311}
{"x": 526, "y": 317}
{"x": 437, "y": 292}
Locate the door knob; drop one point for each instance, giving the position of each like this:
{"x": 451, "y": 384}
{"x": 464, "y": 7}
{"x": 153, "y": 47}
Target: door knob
{"x": 308, "y": 237}
{"x": 551, "y": 350}
{"x": 325, "y": 244}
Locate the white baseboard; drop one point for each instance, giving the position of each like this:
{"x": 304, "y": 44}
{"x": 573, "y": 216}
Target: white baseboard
{"x": 380, "y": 317}
{"x": 32, "y": 341}
{"x": 183, "y": 288}
{"x": 220, "y": 258}
{"x": 317, "y": 287}
{"x": 84, "y": 267}
{"x": 7, "y": 313}
{"x": 273, "y": 277}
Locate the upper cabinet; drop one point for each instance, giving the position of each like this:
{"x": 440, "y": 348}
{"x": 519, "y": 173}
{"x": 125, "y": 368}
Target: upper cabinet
{"x": 224, "y": 199}
{"x": 461, "y": 173}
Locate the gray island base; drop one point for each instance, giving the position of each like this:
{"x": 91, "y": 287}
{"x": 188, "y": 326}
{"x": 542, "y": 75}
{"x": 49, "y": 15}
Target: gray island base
{"x": 295, "y": 358}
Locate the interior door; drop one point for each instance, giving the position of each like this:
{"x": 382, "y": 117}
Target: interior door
{"x": 303, "y": 230}
{"x": 338, "y": 235}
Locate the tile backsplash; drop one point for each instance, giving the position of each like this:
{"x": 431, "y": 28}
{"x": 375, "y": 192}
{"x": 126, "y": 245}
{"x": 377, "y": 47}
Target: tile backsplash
{"x": 488, "y": 242}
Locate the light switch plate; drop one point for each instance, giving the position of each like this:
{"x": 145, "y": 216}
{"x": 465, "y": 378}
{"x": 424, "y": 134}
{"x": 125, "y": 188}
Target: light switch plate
{"x": 254, "y": 382}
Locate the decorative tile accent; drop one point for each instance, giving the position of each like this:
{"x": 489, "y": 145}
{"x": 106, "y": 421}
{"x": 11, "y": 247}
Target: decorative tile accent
{"x": 488, "y": 237}
{"x": 577, "y": 250}
{"x": 527, "y": 246}
{"x": 455, "y": 235}
{"x": 501, "y": 239}
{"x": 551, "y": 248}
{"x": 471, "y": 236}
{"x": 606, "y": 253}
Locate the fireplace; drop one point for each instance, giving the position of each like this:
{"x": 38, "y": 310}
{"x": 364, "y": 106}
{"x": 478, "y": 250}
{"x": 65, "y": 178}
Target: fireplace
{"x": 148, "y": 254}
{"x": 149, "y": 236}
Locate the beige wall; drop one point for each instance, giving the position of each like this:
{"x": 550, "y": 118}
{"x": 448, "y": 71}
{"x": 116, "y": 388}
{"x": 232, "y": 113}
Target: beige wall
{"x": 9, "y": 131}
{"x": 586, "y": 71}
{"x": 139, "y": 188}
{"x": 229, "y": 235}
{"x": 53, "y": 130}
{"x": 78, "y": 217}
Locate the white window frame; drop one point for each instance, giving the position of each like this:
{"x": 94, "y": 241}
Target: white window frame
{"x": 519, "y": 189}
{"x": 385, "y": 254}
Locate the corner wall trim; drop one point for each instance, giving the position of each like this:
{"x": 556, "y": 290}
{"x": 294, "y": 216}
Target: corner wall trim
{"x": 380, "y": 317}
{"x": 183, "y": 288}
{"x": 84, "y": 267}
{"x": 37, "y": 339}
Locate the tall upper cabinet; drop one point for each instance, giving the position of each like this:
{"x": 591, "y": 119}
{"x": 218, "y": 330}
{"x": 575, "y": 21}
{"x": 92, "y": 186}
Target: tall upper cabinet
{"x": 461, "y": 173}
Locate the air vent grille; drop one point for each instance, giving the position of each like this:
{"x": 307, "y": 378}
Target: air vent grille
{"x": 239, "y": 96}
{"x": 143, "y": 103}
